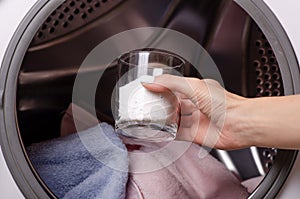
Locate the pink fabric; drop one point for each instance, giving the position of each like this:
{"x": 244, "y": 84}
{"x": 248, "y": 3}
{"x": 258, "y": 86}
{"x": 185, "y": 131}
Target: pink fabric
{"x": 76, "y": 114}
{"x": 252, "y": 183}
{"x": 188, "y": 177}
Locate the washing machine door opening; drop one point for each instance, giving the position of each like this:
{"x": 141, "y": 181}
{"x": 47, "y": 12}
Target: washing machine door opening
{"x": 244, "y": 39}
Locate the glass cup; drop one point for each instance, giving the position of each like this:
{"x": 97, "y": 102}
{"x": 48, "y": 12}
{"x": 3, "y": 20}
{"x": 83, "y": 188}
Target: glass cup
{"x": 139, "y": 113}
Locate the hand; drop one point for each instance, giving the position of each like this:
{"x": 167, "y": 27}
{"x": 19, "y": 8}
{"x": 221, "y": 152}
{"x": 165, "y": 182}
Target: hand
{"x": 208, "y": 111}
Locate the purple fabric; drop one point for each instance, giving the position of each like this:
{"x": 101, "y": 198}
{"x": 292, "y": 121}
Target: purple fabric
{"x": 188, "y": 177}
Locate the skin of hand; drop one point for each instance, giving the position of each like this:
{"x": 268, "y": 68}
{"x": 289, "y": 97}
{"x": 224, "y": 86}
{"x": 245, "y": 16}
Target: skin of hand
{"x": 214, "y": 117}
{"x": 206, "y": 111}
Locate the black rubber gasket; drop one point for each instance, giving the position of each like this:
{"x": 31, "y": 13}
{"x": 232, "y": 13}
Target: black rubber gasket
{"x": 11, "y": 144}
{"x": 289, "y": 67}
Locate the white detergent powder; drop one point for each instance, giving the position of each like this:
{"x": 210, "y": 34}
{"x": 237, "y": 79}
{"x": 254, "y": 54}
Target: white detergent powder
{"x": 138, "y": 104}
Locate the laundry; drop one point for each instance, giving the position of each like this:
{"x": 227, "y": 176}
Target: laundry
{"x": 78, "y": 165}
{"x": 189, "y": 176}
{"x": 76, "y": 119}
{"x": 70, "y": 169}
{"x": 252, "y": 183}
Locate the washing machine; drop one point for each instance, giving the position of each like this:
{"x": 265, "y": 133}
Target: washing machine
{"x": 254, "y": 44}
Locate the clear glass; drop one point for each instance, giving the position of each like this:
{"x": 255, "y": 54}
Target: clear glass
{"x": 139, "y": 113}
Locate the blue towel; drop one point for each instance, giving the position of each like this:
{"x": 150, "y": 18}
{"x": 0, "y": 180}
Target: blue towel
{"x": 90, "y": 164}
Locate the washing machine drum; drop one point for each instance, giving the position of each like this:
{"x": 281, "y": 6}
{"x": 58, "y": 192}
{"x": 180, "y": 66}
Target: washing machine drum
{"x": 38, "y": 74}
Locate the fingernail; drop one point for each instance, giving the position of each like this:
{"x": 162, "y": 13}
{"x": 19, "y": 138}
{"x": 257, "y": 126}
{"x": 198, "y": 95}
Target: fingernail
{"x": 146, "y": 83}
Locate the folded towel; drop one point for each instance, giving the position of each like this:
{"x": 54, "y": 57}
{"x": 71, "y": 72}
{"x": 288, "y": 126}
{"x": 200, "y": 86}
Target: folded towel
{"x": 75, "y": 169}
{"x": 187, "y": 177}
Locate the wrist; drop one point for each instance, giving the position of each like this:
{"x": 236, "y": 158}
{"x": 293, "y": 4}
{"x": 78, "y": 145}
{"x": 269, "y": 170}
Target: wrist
{"x": 242, "y": 122}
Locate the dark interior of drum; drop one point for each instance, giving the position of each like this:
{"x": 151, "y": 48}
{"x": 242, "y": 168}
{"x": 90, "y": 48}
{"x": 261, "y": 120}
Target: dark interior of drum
{"x": 237, "y": 45}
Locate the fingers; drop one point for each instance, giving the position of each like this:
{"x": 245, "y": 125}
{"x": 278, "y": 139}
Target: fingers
{"x": 193, "y": 88}
{"x": 193, "y": 128}
{"x": 202, "y": 132}
{"x": 201, "y": 92}
{"x": 187, "y": 121}
{"x": 206, "y": 96}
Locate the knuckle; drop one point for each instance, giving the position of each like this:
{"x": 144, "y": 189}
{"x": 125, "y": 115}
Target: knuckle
{"x": 195, "y": 82}
{"x": 201, "y": 96}
{"x": 196, "y": 97}
{"x": 212, "y": 82}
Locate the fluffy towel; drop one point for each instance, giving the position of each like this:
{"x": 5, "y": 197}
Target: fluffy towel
{"x": 187, "y": 177}
{"x": 72, "y": 170}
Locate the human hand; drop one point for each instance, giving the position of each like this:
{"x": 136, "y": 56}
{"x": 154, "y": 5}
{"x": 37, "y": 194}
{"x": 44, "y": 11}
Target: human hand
{"x": 208, "y": 111}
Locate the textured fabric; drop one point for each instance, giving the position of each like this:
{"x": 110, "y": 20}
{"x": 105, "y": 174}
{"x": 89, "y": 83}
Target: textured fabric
{"x": 187, "y": 177}
{"x": 75, "y": 166}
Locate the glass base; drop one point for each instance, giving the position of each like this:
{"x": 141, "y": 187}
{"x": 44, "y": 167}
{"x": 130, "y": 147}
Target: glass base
{"x": 147, "y": 131}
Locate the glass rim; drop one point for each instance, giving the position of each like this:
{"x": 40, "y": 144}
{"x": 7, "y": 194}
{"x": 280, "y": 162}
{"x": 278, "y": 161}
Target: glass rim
{"x": 122, "y": 58}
